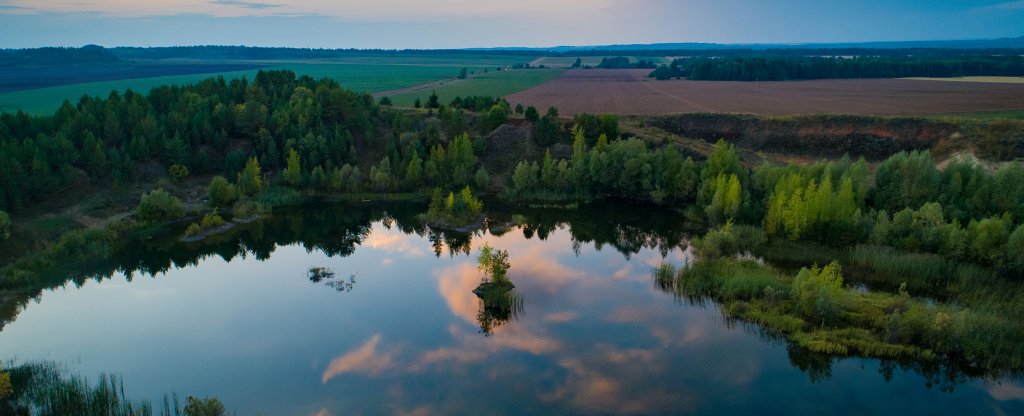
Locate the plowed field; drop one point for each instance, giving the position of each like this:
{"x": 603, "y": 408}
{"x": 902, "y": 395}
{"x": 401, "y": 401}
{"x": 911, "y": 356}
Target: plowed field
{"x": 631, "y": 92}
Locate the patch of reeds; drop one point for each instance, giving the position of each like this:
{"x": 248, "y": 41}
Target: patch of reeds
{"x": 277, "y": 196}
{"x": 47, "y": 389}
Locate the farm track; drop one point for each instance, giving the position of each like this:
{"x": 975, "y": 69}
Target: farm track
{"x": 630, "y": 92}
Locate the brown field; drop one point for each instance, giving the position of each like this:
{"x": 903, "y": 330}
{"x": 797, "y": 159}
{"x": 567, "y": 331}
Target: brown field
{"x": 630, "y": 92}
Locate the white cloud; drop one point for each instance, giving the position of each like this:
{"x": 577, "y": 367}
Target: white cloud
{"x": 1010, "y": 5}
{"x": 378, "y": 10}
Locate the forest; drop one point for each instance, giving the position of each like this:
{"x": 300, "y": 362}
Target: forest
{"x": 953, "y": 232}
{"x": 622, "y": 62}
{"x": 309, "y": 134}
{"x": 90, "y": 54}
{"x": 779, "y": 68}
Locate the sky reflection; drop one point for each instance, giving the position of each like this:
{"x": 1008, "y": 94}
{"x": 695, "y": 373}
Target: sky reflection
{"x": 595, "y": 336}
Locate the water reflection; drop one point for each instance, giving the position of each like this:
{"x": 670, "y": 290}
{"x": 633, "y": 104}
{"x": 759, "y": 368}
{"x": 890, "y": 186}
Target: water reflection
{"x": 597, "y": 338}
{"x": 326, "y": 276}
{"x": 365, "y": 359}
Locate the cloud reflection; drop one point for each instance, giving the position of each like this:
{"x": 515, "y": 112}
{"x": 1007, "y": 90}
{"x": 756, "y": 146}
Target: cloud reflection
{"x": 456, "y": 286}
{"x": 393, "y": 241}
{"x": 1006, "y": 392}
{"x": 362, "y": 360}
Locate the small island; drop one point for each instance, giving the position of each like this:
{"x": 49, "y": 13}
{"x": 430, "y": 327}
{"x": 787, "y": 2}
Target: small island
{"x": 500, "y": 302}
{"x": 460, "y": 212}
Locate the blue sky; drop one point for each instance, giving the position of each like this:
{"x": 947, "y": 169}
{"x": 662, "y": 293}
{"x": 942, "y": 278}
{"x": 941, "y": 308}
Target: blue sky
{"x": 486, "y": 23}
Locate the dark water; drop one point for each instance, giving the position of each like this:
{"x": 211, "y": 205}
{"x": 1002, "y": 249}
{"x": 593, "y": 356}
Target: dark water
{"x": 397, "y": 329}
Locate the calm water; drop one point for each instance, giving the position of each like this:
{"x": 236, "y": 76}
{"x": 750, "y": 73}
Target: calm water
{"x": 398, "y": 329}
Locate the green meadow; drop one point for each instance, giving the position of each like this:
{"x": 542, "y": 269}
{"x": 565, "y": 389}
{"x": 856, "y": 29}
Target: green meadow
{"x": 495, "y": 84}
{"x": 387, "y": 74}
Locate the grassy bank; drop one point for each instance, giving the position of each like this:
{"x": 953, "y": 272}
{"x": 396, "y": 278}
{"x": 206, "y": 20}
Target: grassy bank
{"x": 973, "y": 324}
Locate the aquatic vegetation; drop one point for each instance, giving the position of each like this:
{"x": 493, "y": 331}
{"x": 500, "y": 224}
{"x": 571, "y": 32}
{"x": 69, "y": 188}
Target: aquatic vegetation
{"x": 47, "y": 389}
{"x": 277, "y": 196}
{"x": 249, "y": 208}
{"x": 815, "y": 311}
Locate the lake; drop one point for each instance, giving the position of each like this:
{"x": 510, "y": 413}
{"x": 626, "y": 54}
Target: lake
{"x": 397, "y": 329}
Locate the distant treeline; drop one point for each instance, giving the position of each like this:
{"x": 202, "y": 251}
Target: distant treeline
{"x": 246, "y": 52}
{"x": 815, "y": 67}
{"x": 622, "y": 62}
{"x": 90, "y": 54}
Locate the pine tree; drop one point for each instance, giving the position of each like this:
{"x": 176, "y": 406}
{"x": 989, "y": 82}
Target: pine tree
{"x": 548, "y": 171}
{"x": 483, "y": 179}
{"x": 250, "y": 180}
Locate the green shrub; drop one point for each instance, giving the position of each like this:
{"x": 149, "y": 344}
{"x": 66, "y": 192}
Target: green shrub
{"x": 204, "y": 407}
{"x": 211, "y": 220}
{"x": 729, "y": 240}
{"x": 193, "y": 230}
{"x": 159, "y": 205}
{"x": 178, "y": 171}
{"x": 221, "y": 192}
{"x": 818, "y": 293}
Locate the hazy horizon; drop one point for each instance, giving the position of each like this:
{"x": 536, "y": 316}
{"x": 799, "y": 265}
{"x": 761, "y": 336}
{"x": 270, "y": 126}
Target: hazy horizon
{"x": 452, "y": 24}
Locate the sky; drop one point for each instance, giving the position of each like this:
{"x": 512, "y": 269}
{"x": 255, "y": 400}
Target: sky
{"x": 425, "y": 24}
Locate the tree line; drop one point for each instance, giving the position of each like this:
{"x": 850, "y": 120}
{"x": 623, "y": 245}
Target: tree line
{"x": 963, "y": 212}
{"x": 622, "y": 62}
{"x": 89, "y": 54}
{"x": 778, "y": 68}
{"x": 213, "y": 126}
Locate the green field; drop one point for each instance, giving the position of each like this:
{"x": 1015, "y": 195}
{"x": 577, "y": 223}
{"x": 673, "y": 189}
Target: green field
{"x": 472, "y": 61}
{"x": 356, "y": 76}
{"x": 495, "y": 84}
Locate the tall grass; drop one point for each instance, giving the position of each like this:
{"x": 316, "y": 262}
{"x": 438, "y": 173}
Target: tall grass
{"x": 924, "y": 268}
{"x": 988, "y": 337}
{"x": 47, "y": 389}
{"x": 277, "y": 196}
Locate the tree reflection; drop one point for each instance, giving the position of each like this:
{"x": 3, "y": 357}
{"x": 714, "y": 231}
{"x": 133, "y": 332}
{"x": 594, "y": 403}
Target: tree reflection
{"x": 326, "y": 276}
{"x": 337, "y": 231}
{"x": 499, "y": 301}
